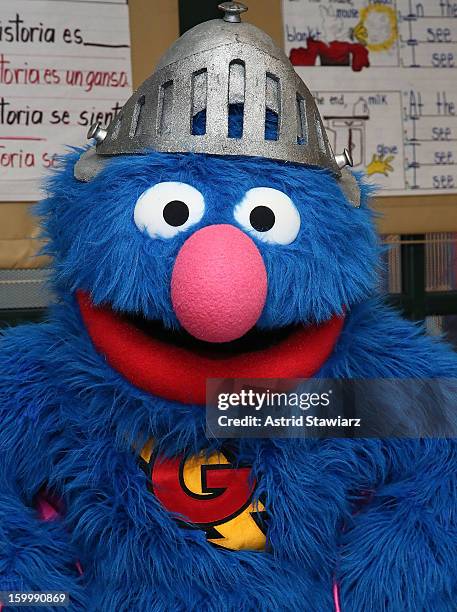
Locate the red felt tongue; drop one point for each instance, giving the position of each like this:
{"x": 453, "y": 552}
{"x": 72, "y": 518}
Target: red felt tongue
{"x": 179, "y": 374}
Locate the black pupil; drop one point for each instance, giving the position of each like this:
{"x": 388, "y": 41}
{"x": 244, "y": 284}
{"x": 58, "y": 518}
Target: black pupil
{"x": 176, "y": 213}
{"x": 262, "y": 218}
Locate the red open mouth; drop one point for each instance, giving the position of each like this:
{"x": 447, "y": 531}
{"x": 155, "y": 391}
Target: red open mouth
{"x": 175, "y": 366}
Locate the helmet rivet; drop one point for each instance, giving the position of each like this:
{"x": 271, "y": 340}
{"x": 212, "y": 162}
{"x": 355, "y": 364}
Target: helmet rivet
{"x": 345, "y": 159}
{"x": 232, "y": 11}
{"x": 97, "y": 133}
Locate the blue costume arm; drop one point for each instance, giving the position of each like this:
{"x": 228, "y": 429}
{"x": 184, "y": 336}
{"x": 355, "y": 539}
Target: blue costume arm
{"x": 35, "y": 554}
{"x": 398, "y": 552}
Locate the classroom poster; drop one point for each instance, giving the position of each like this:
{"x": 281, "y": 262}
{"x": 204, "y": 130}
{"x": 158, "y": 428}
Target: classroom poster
{"x": 63, "y": 65}
{"x": 384, "y": 74}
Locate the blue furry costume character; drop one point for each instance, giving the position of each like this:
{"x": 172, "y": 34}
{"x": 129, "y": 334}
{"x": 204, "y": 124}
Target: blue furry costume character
{"x": 172, "y": 266}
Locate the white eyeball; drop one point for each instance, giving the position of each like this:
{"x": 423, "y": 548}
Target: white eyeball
{"x": 166, "y": 209}
{"x": 269, "y": 215}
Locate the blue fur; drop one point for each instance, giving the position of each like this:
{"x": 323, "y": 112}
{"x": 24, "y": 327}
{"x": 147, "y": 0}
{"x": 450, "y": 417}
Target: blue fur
{"x": 69, "y": 421}
{"x": 332, "y": 261}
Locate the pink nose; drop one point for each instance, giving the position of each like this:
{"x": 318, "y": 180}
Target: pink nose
{"x": 219, "y": 284}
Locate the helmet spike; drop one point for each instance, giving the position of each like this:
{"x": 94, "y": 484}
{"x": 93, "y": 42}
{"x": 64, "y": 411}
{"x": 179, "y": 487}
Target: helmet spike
{"x": 232, "y": 11}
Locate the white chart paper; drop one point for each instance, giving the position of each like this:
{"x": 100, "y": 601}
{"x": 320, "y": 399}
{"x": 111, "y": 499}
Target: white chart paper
{"x": 384, "y": 74}
{"x": 63, "y": 65}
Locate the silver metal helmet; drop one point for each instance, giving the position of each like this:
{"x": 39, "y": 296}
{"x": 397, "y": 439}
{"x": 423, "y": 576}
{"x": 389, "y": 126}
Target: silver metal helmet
{"x": 206, "y": 72}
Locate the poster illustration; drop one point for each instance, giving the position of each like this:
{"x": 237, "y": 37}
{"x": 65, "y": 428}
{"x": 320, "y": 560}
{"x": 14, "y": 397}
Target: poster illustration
{"x": 385, "y": 84}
